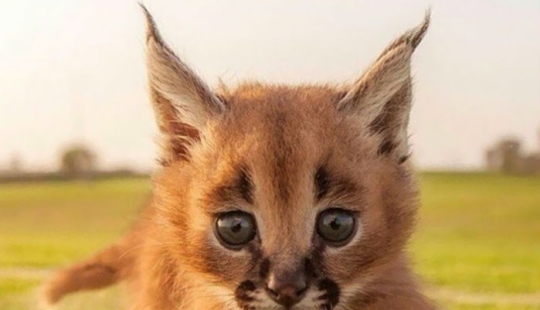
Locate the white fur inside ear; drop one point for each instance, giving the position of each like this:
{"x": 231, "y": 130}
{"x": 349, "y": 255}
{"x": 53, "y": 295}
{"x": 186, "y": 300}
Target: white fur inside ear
{"x": 175, "y": 81}
{"x": 402, "y": 139}
{"x": 382, "y": 81}
{"x": 188, "y": 112}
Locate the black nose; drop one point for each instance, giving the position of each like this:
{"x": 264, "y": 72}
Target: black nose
{"x": 287, "y": 289}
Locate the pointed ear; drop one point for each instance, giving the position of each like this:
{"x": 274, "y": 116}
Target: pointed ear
{"x": 182, "y": 102}
{"x": 381, "y": 98}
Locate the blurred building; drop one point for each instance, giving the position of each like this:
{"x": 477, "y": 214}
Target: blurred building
{"x": 507, "y": 156}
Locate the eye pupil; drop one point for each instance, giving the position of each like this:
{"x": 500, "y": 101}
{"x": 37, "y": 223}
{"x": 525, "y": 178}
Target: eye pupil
{"x": 236, "y": 228}
{"x": 335, "y": 224}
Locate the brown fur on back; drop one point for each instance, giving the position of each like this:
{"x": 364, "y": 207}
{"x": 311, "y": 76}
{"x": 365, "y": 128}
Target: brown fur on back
{"x": 283, "y": 154}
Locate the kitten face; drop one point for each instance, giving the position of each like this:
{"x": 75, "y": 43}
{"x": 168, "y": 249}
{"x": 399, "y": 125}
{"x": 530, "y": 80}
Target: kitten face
{"x": 287, "y": 205}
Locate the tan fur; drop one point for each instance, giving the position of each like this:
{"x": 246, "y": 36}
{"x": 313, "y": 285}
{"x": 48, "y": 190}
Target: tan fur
{"x": 279, "y": 136}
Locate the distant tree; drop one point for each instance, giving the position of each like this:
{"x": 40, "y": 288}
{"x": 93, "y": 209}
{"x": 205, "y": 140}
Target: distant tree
{"x": 77, "y": 160}
{"x": 511, "y": 150}
{"x": 15, "y": 164}
{"x": 538, "y": 140}
{"x": 505, "y": 156}
{"x": 531, "y": 164}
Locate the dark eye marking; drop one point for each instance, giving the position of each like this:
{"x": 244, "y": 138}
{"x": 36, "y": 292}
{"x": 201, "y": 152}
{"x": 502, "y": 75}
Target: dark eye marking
{"x": 264, "y": 268}
{"x": 322, "y": 182}
{"x": 239, "y": 186}
{"x": 328, "y": 186}
{"x": 245, "y": 186}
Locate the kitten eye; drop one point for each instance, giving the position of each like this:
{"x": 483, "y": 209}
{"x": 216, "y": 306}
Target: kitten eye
{"x": 336, "y": 226}
{"x": 235, "y": 229}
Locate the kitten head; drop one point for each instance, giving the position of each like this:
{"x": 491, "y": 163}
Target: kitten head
{"x": 281, "y": 197}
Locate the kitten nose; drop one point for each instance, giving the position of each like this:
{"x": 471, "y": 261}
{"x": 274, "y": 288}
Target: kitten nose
{"x": 287, "y": 289}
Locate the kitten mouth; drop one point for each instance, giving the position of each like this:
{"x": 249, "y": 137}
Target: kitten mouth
{"x": 327, "y": 298}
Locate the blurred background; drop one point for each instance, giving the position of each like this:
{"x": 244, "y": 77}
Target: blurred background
{"x": 77, "y": 132}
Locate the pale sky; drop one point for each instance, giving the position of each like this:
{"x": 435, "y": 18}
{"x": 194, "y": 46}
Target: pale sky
{"x": 74, "y": 69}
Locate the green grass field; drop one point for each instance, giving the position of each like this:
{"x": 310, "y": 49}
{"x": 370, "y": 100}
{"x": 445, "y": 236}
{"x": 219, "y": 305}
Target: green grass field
{"x": 477, "y": 245}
